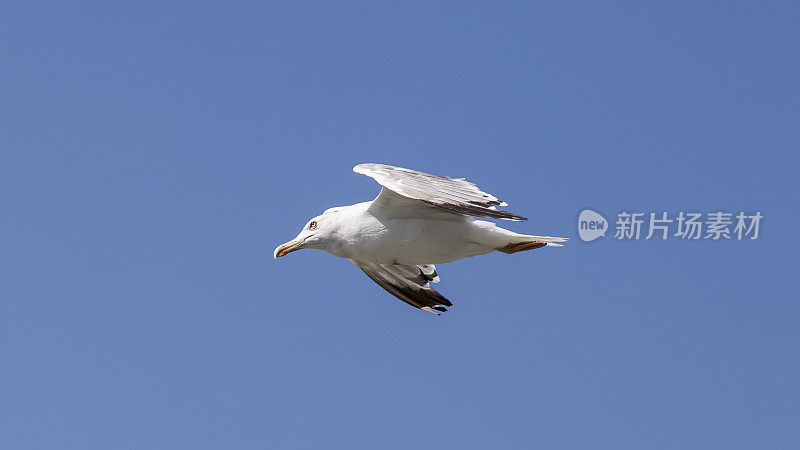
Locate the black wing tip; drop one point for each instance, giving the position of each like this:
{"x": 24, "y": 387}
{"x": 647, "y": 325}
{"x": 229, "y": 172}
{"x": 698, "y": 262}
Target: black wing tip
{"x": 511, "y": 216}
{"x": 424, "y": 297}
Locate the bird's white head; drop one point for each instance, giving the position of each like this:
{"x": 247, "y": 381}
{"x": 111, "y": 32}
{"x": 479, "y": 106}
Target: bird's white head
{"x": 318, "y": 233}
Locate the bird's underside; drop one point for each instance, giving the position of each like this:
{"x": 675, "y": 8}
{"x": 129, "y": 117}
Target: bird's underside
{"x": 416, "y": 221}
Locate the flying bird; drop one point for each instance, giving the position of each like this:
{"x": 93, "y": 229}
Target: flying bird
{"x": 416, "y": 221}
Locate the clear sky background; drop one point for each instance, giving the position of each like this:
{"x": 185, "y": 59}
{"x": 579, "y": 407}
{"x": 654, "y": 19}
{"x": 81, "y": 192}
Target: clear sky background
{"x": 153, "y": 155}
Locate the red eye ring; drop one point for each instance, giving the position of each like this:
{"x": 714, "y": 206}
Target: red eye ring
{"x": 312, "y": 225}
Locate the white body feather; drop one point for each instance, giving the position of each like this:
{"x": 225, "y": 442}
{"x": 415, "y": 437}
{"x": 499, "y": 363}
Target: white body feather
{"x": 372, "y": 234}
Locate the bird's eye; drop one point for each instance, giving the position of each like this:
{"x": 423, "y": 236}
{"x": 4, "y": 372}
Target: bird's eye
{"x": 312, "y": 225}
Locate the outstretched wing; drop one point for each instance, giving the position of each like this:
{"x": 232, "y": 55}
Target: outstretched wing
{"x": 452, "y": 194}
{"x": 410, "y": 284}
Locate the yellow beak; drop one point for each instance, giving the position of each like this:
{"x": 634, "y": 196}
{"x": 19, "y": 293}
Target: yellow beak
{"x": 285, "y": 249}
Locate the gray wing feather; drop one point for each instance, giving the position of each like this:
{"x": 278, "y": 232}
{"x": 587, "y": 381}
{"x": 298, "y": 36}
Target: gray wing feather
{"x": 452, "y": 194}
{"x": 410, "y": 284}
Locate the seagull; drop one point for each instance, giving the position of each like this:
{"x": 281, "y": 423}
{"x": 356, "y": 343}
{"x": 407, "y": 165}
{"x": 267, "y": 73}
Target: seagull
{"x": 416, "y": 221}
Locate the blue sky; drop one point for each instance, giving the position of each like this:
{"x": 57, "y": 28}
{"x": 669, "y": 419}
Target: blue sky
{"x": 153, "y": 155}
